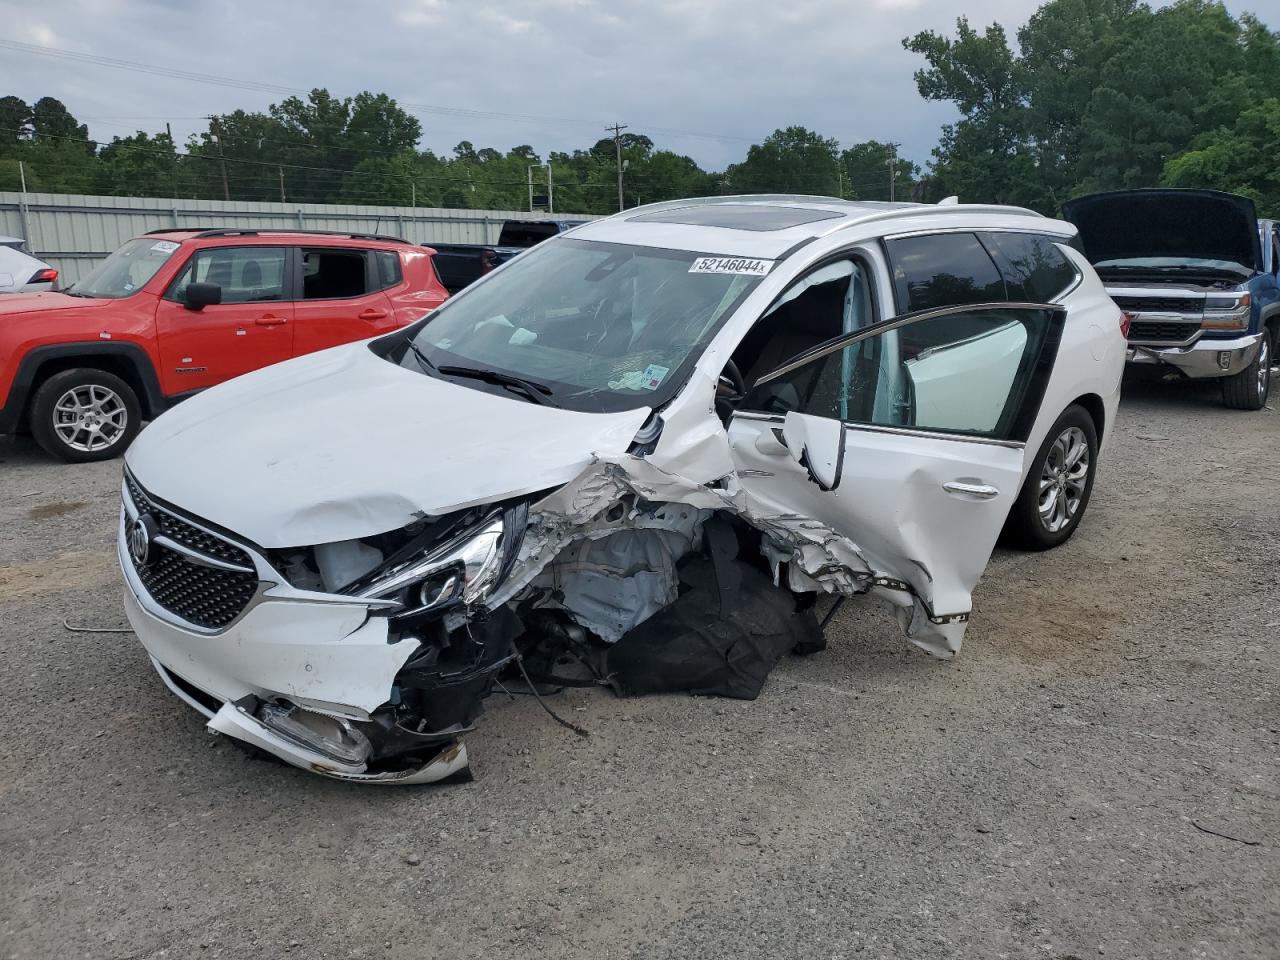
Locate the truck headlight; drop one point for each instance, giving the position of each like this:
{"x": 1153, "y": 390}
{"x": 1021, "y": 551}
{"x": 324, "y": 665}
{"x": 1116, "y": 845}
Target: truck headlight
{"x": 463, "y": 569}
{"x": 1227, "y": 313}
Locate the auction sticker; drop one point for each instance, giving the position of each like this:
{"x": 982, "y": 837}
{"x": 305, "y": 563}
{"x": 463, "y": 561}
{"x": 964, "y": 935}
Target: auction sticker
{"x": 735, "y": 265}
{"x": 164, "y": 246}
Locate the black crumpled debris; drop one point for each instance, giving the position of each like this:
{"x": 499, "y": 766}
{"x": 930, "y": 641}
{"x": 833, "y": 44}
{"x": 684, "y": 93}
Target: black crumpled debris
{"x": 725, "y": 632}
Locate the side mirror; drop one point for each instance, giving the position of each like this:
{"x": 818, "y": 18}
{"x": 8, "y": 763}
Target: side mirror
{"x": 201, "y": 295}
{"x": 817, "y": 444}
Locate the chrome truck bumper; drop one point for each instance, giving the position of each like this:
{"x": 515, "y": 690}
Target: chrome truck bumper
{"x": 1204, "y": 358}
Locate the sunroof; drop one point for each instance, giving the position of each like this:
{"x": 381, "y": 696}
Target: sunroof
{"x": 738, "y": 216}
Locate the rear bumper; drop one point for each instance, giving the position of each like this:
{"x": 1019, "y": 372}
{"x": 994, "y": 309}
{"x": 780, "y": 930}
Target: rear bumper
{"x": 1204, "y": 358}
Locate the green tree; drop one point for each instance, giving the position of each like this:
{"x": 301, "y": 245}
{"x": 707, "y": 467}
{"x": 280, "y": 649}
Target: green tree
{"x": 790, "y": 160}
{"x": 138, "y": 166}
{"x": 15, "y": 122}
{"x": 1239, "y": 159}
{"x": 866, "y": 169}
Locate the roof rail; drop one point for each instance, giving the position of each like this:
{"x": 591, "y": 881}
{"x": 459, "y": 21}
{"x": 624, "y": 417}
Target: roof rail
{"x": 202, "y": 233}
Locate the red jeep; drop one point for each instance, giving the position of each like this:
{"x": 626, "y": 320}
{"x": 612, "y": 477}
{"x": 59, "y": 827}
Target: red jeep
{"x": 175, "y": 311}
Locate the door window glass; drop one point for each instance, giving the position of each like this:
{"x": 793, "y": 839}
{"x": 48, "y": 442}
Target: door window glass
{"x": 830, "y": 301}
{"x": 1034, "y": 269}
{"x": 966, "y": 373}
{"x": 246, "y": 274}
{"x": 942, "y": 270}
{"x": 333, "y": 274}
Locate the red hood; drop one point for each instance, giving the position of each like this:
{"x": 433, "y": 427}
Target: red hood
{"x": 17, "y": 303}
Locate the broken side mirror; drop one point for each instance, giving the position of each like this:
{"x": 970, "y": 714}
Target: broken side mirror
{"x": 201, "y": 295}
{"x": 817, "y": 444}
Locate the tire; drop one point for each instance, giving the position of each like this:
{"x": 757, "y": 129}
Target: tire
{"x": 1028, "y": 525}
{"x": 83, "y": 415}
{"x": 1248, "y": 389}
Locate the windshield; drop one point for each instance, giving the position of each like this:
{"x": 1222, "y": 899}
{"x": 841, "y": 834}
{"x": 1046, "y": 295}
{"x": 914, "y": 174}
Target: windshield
{"x": 588, "y": 326}
{"x": 125, "y": 271}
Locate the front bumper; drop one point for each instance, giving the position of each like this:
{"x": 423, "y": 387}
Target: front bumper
{"x": 331, "y": 658}
{"x": 1204, "y": 358}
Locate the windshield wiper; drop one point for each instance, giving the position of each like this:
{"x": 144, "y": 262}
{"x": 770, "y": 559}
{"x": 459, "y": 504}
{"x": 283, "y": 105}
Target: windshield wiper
{"x": 537, "y": 392}
{"x": 422, "y": 357}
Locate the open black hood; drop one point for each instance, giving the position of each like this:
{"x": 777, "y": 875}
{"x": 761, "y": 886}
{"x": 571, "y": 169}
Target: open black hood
{"x": 1191, "y": 224}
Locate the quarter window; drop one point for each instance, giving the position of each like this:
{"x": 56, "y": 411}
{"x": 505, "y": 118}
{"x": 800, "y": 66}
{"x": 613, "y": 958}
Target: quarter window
{"x": 942, "y": 270}
{"x": 1035, "y": 270}
{"x": 245, "y": 274}
{"x": 329, "y": 274}
{"x": 389, "y": 273}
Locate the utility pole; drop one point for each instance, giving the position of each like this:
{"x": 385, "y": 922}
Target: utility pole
{"x": 215, "y": 124}
{"x": 280, "y": 170}
{"x": 551, "y": 197}
{"x": 169, "y": 133}
{"x": 893, "y": 169}
{"x": 617, "y": 129}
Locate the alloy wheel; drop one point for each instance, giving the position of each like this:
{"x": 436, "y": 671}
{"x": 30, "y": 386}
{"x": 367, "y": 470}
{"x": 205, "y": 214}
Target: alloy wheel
{"x": 90, "y": 417}
{"x": 1064, "y": 478}
{"x": 1264, "y": 368}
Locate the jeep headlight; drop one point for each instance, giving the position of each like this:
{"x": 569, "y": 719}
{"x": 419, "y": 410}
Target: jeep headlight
{"x": 464, "y": 569}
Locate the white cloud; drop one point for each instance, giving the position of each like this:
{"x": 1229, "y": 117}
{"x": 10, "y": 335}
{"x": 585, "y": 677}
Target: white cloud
{"x": 732, "y": 70}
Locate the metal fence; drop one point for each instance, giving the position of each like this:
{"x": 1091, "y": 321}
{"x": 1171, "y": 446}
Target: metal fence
{"x": 74, "y": 233}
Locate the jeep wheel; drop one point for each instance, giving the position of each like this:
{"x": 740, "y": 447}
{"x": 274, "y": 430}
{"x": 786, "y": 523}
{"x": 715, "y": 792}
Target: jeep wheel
{"x": 82, "y": 415}
{"x": 1248, "y": 389}
{"x": 1058, "y": 486}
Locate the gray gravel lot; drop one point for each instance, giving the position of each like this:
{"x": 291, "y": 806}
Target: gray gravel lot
{"x": 1037, "y": 797}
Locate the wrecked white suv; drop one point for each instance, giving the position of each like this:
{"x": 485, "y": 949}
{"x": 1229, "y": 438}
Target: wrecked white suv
{"x": 636, "y": 455}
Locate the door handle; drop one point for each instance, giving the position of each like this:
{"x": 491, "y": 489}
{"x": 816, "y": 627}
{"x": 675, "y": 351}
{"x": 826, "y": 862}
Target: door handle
{"x": 373, "y": 313}
{"x": 271, "y": 321}
{"x": 969, "y": 488}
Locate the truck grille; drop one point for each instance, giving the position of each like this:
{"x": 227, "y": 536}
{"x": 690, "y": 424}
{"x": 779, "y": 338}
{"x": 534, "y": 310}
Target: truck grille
{"x": 203, "y": 595}
{"x": 1191, "y": 305}
{"x": 1161, "y": 331}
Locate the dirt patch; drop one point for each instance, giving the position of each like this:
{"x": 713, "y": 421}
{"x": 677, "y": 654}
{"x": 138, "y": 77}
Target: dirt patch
{"x": 47, "y": 510}
{"x": 76, "y": 570}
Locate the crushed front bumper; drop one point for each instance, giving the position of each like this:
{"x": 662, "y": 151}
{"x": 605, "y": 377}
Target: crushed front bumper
{"x": 1204, "y": 358}
{"x": 325, "y": 657}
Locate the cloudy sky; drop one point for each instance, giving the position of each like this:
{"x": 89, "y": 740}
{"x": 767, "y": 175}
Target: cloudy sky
{"x": 703, "y": 77}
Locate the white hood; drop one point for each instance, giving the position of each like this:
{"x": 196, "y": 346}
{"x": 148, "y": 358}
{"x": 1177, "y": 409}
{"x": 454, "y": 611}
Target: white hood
{"x": 342, "y": 444}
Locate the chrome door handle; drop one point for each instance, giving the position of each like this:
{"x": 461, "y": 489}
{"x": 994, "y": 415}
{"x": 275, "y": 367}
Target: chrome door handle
{"x": 979, "y": 491}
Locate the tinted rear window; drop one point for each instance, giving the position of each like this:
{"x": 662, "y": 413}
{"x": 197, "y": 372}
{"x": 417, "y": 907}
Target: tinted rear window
{"x": 1035, "y": 270}
{"x": 942, "y": 270}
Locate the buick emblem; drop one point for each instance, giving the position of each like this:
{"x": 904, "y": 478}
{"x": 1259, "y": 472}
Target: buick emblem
{"x": 140, "y": 534}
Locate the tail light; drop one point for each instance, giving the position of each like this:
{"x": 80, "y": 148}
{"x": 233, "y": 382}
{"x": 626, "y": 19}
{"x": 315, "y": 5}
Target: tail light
{"x": 1126, "y": 320}
{"x": 47, "y": 275}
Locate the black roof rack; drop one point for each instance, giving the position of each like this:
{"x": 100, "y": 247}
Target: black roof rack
{"x": 202, "y": 233}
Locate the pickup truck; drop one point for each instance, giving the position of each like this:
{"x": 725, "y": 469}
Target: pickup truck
{"x": 175, "y": 311}
{"x": 461, "y": 264}
{"x": 1196, "y": 272}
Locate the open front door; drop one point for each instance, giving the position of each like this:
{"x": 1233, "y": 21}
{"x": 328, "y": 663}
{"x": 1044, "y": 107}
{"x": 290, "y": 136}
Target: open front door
{"x": 908, "y": 438}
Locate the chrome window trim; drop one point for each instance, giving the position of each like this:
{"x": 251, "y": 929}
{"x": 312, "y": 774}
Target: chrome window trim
{"x": 899, "y": 431}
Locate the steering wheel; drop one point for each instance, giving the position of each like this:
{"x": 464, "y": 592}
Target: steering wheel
{"x": 734, "y": 376}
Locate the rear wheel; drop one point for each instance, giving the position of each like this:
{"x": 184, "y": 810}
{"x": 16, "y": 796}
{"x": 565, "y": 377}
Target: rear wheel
{"x": 84, "y": 414}
{"x": 1248, "y": 389}
{"x": 1058, "y": 486}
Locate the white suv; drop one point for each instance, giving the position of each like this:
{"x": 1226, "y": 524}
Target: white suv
{"x": 644, "y": 446}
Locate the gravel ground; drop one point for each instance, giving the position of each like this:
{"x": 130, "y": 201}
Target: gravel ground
{"x": 1048, "y": 794}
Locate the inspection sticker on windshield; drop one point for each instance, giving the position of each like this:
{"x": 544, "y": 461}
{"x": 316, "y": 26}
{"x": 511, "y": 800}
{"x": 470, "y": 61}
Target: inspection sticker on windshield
{"x": 654, "y": 375}
{"x": 736, "y": 265}
{"x": 164, "y": 246}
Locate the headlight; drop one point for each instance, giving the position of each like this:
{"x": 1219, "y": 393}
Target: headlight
{"x": 1226, "y": 313}
{"x": 464, "y": 569}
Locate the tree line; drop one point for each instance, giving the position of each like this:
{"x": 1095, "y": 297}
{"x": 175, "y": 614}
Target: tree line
{"x": 1095, "y": 95}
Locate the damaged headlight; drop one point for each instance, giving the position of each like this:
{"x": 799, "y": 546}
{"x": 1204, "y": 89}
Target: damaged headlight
{"x": 465, "y": 569}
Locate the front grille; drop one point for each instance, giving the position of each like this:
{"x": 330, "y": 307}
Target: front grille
{"x": 201, "y": 595}
{"x": 1161, "y": 304}
{"x": 1161, "y": 331}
